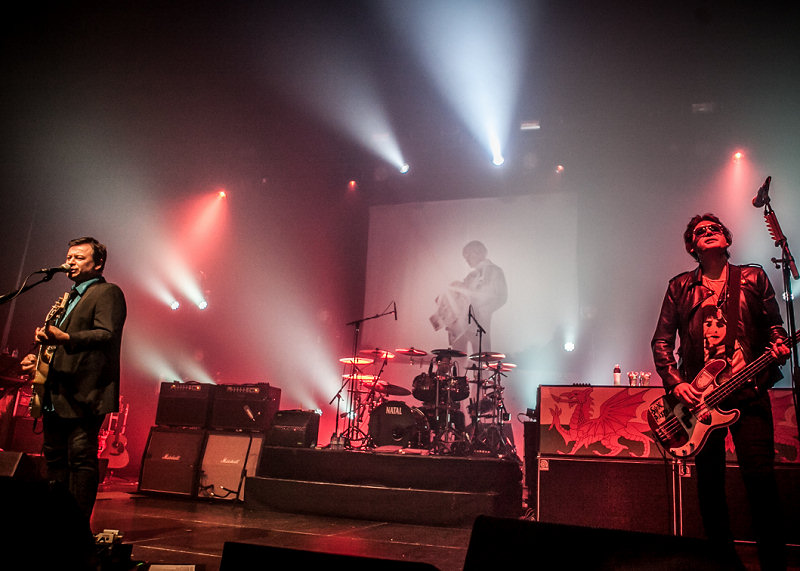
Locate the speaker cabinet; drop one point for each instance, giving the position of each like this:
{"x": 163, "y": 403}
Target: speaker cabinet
{"x": 500, "y": 543}
{"x": 614, "y": 494}
{"x": 227, "y": 459}
{"x": 184, "y": 404}
{"x": 294, "y": 428}
{"x": 245, "y": 407}
{"x": 20, "y": 466}
{"x": 237, "y": 556}
{"x": 171, "y": 461}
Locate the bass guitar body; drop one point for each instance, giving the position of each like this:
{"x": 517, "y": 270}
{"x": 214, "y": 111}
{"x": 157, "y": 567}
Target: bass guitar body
{"x": 683, "y": 430}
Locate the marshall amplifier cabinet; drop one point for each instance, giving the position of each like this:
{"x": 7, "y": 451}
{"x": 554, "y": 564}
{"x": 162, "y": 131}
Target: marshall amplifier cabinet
{"x": 245, "y": 407}
{"x": 184, "y": 404}
{"x": 228, "y": 458}
{"x": 171, "y": 462}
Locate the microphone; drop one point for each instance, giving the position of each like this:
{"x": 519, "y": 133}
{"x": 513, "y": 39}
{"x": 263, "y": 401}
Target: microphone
{"x": 395, "y": 311}
{"x": 249, "y": 413}
{"x": 762, "y": 198}
{"x": 469, "y": 315}
{"x": 62, "y": 268}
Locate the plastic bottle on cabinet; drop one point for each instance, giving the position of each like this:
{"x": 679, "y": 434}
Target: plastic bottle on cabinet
{"x": 617, "y": 375}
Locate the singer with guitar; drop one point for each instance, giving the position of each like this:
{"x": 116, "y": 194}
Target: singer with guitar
{"x": 725, "y": 314}
{"x": 82, "y": 381}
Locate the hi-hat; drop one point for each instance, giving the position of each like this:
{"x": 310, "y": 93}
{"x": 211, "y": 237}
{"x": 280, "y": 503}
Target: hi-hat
{"x": 360, "y": 377}
{"x": 502, "y": 367}
{"x": 378, "y": 353}
{"x": 453, "y": 353}
{"x": 411, "y": 352}
{"x": 387, "y": 388}
{"x": 356, "y": 360}
{"x": 487, "y": 356}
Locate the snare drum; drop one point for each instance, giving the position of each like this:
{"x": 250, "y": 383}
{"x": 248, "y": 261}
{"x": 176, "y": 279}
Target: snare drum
{"x": 394, "y": 423}
{"x": 456, "y": 386}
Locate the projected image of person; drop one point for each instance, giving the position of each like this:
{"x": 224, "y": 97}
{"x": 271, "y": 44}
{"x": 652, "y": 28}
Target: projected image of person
{"x": 484, "y": 288}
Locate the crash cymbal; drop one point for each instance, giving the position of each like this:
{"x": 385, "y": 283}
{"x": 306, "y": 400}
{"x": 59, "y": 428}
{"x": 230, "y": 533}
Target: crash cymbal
{"x": 356, "y": 360}
{"x": 378, "y": 353}
{"x": 388, "y": 388}
{"x": 487, "y": 357}
{"x": 411, "y": 352}
{"x": 448, "y": 353}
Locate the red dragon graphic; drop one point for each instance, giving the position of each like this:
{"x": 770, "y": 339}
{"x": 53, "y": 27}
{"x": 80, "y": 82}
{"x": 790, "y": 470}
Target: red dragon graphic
{"x": 617, "y": 419}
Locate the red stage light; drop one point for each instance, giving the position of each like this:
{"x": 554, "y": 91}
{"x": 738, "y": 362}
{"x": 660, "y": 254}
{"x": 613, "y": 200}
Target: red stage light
{"x": 352, "y": 185}
{"x": 738, "y": 155}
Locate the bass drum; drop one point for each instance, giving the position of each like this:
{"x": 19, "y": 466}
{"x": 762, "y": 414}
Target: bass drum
{"x": 394, "y": 423}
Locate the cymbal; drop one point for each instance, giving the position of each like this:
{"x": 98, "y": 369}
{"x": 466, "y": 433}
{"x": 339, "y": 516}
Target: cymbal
{"x": 411, "y": 352}
{"x": 359, "y": 377}
{"x": 448, "y": 353}
{"x": 388, "y": 388}
{"x": 502, "y": 367}
{"x": 487, "y": 356}
{"x": 378, "y": 353}
{"x": 356, "y": 360}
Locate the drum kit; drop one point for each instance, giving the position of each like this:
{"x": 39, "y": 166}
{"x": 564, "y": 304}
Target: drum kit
{"x": 376, "y": 417}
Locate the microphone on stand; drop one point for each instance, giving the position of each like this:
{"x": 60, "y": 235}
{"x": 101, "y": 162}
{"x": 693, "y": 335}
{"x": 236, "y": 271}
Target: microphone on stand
{"x": 249, "y": 412}
{"x": 395, "y": 310}
{"x": 762, "y": 196}
{"x": 62, "y": 268}
{"x": 469, "y": 315}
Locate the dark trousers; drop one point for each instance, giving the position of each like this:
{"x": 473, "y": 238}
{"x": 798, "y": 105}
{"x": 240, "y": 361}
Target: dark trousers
{"x": 753, "y": 437}
{"x": 70, "y": 450}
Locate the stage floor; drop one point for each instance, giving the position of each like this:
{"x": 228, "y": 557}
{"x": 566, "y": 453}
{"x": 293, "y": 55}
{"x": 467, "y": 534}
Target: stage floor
{"x": 186, "y": 531}
{"x": 166, "y": 530}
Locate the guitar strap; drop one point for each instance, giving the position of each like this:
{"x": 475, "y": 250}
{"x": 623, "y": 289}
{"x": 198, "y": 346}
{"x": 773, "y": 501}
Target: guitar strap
{"x": 732, "y": 309}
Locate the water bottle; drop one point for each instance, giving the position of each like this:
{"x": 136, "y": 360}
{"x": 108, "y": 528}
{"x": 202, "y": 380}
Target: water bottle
{"x": 617, "y": 375}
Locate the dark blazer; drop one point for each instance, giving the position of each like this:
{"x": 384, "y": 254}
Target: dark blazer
{"x": 84, "y": 373}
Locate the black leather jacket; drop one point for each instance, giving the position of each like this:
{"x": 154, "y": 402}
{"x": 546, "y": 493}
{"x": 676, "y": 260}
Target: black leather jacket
{"x": 760, "y": 323}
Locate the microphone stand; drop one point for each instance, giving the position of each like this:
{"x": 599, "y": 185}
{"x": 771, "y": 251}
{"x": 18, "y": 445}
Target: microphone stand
{"x": 789, "y": 269}
{"x": 479, "y": 381}
{"x": 13, "y": 294}
{"x": 340, "y": 439}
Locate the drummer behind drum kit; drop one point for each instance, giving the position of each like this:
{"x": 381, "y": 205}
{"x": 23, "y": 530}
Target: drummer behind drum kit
{"x": 437, "y": 426}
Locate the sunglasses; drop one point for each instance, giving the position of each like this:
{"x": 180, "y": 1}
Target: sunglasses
{"x": 701, "y": 231}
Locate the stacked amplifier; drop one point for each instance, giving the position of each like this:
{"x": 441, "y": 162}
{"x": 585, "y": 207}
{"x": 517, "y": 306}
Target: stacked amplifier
{"x": 207, "y": 438}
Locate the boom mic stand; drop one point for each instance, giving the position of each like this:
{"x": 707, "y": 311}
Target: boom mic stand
{"x": 789, "y": 269}
{"x": 352, "y": 412}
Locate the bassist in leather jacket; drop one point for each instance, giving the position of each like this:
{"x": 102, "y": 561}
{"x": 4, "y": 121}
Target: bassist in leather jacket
{"x": 696, "y": 309}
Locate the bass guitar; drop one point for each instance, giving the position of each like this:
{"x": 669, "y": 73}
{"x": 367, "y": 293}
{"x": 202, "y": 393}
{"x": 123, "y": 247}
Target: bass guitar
{"x": 682, "y": 429}
{"x": 43, "y": 357}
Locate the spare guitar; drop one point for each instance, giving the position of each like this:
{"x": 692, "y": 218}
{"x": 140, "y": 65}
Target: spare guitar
{"x": 43, "y": 357}
{"x": 114, "y": 441}
{"x": 682, "y": 429}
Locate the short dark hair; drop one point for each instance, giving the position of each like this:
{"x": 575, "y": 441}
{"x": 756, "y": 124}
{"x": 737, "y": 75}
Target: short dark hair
{"x": 688, "y": 235}
{"x": 99, "y": 251}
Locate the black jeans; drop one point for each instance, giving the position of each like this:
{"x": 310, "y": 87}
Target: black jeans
{"x": 753, "y": 437}
{"x": 70, "y": 449}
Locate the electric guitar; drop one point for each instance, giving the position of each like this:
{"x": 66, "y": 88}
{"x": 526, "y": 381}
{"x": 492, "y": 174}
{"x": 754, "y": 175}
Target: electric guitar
{"x": 43, "y": 357}
{"x": 682, "y": 429}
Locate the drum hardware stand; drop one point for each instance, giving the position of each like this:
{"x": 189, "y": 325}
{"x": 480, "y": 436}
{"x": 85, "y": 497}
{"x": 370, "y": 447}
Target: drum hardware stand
{"x": 491, "y": 437}
{"x": 353, "y": 420}
{"x": 450, "y": 440}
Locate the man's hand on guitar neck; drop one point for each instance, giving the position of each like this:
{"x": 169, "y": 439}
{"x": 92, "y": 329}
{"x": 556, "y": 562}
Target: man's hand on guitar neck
{"x": 779, "y": 350}
{"x": 50, "y": 335}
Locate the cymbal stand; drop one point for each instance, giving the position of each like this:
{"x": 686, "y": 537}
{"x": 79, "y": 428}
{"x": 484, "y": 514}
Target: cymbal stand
{"x": 491, "y": 436}
{"x": 352, "y": 429}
